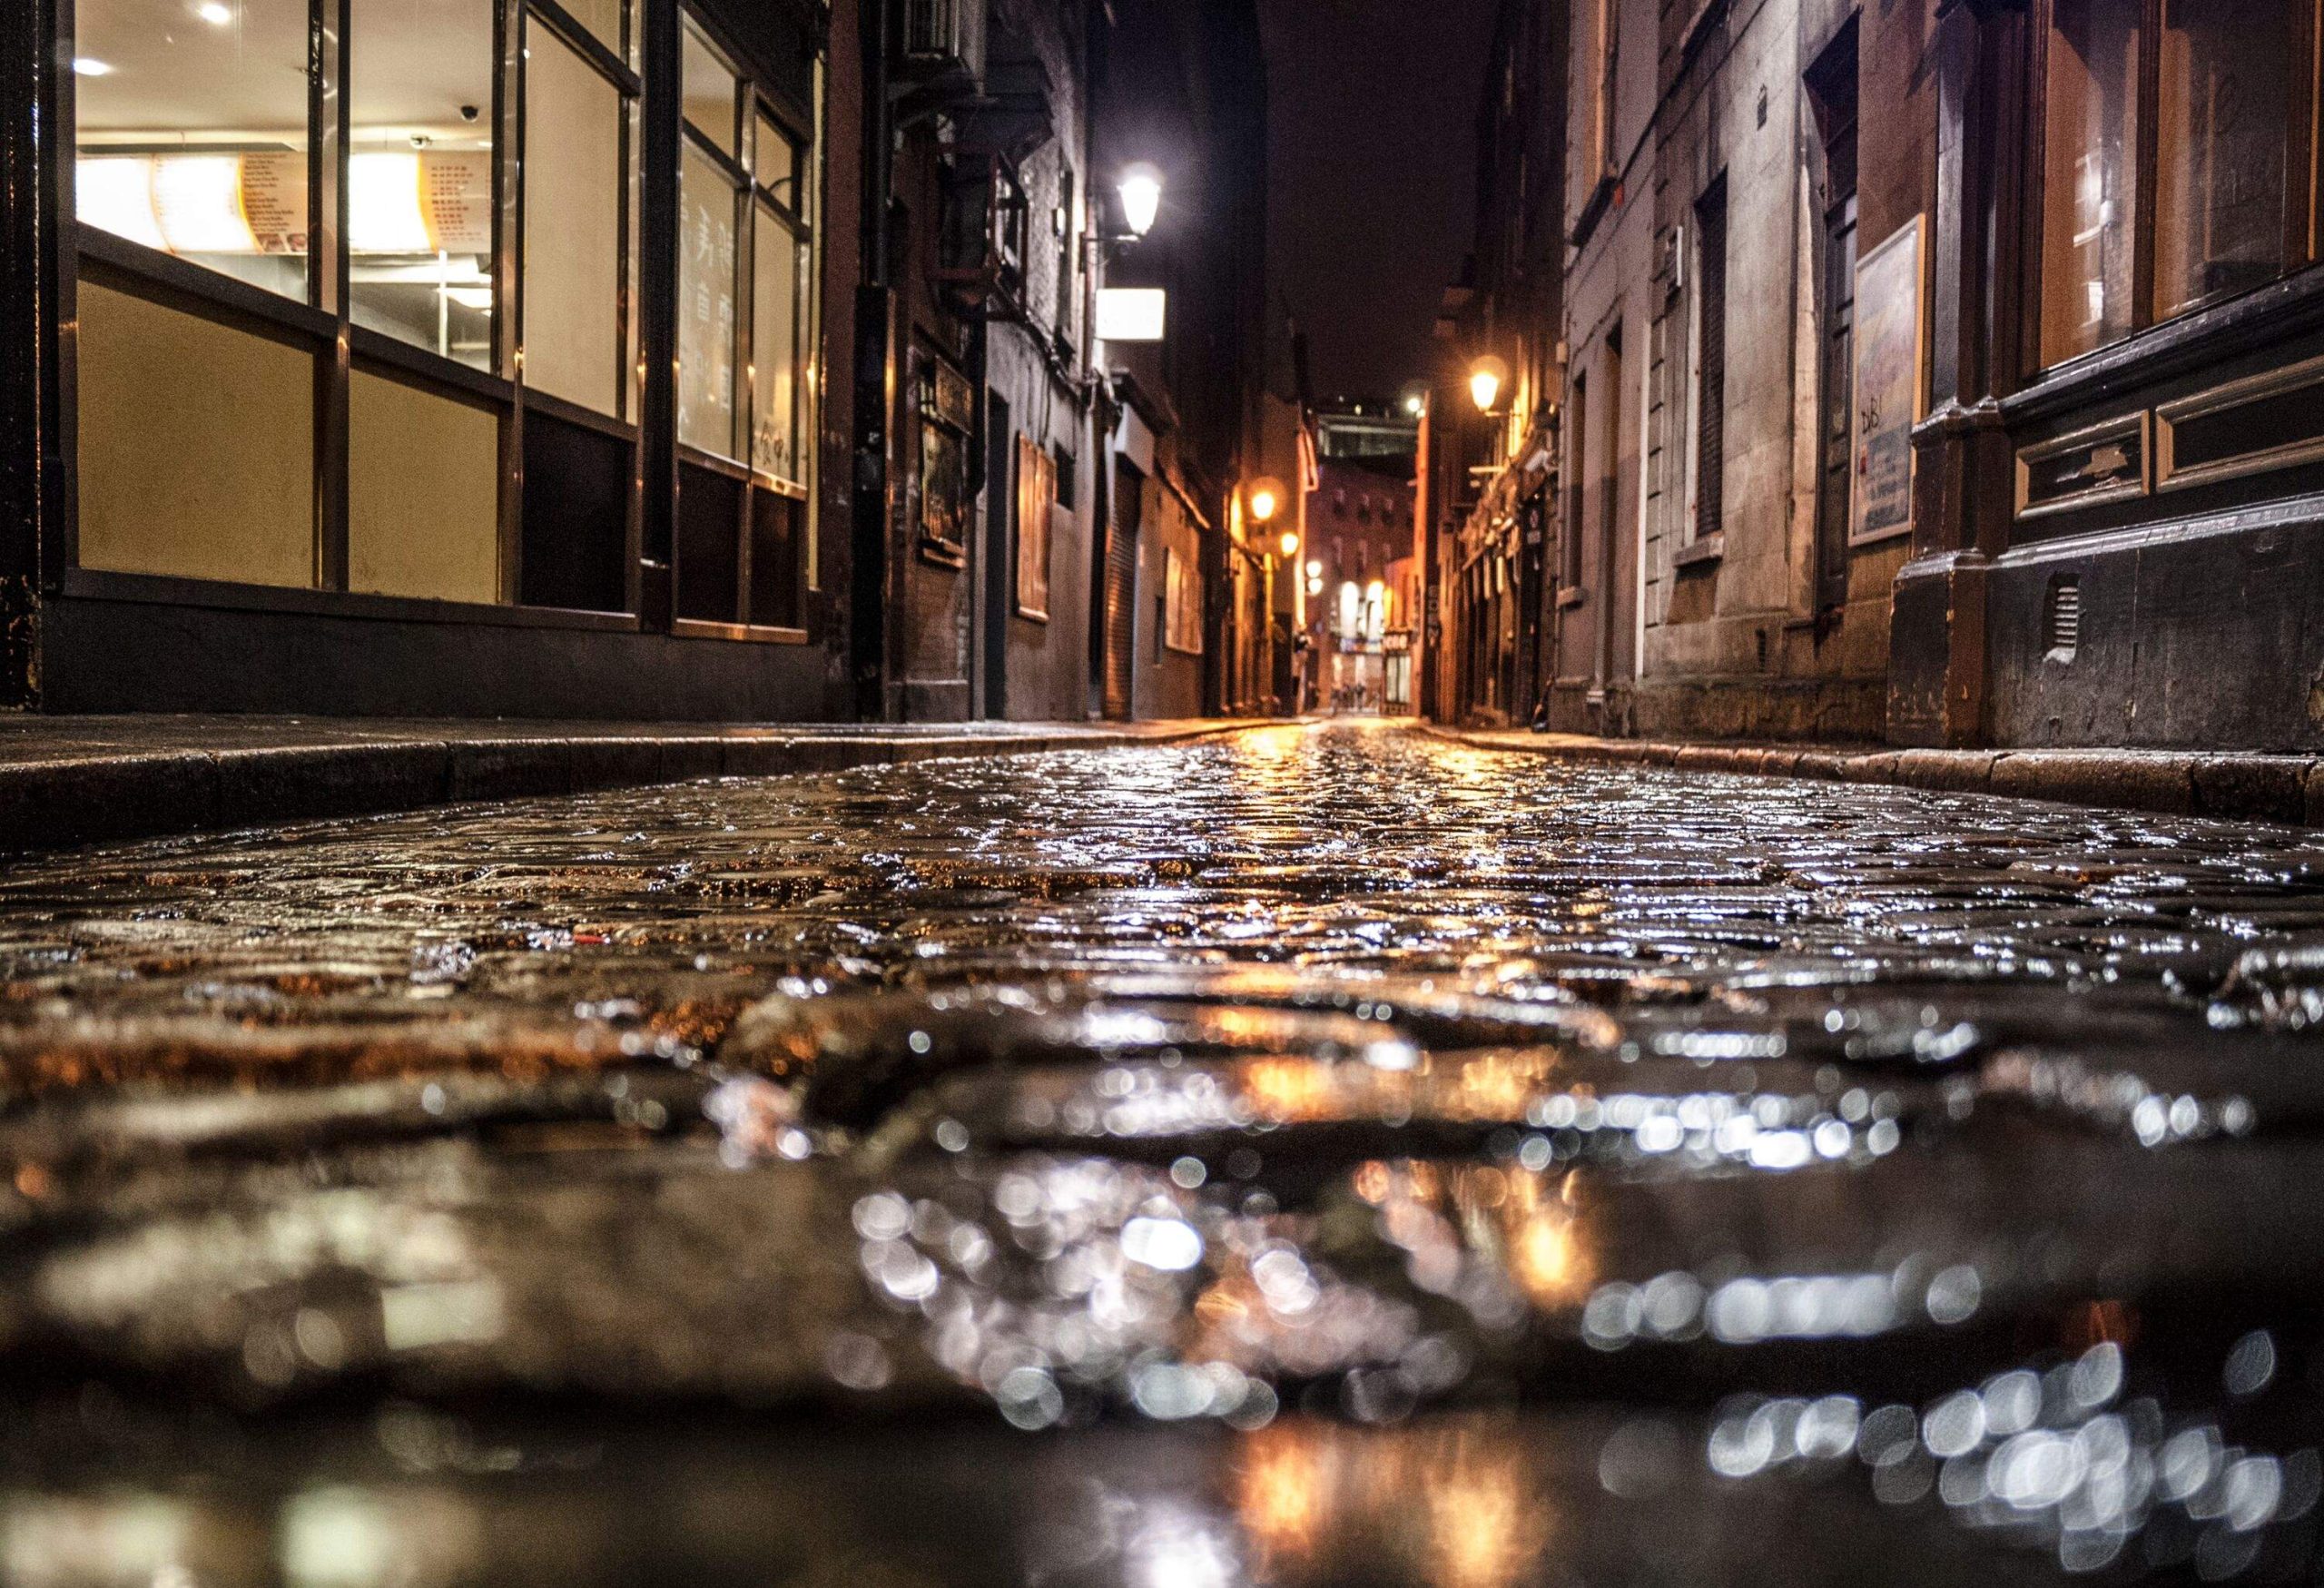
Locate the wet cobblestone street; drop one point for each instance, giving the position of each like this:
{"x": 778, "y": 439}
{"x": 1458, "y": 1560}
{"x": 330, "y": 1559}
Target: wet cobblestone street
{"x": 1311, "y": 1155}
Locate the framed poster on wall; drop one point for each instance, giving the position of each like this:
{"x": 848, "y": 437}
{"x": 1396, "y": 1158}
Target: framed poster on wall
{"x": 1891, "y": 351}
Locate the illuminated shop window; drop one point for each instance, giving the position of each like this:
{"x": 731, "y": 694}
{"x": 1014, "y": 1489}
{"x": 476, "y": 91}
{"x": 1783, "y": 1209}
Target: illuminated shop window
{"x": 745, "y": 384}
{"x": 419, "y": 175}
{"x": 743, "y": 271}
{"x": 193, "y": 131}
{"x": 577, "y": 219}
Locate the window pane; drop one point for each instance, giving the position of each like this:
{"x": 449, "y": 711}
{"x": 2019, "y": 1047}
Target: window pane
{"x": 2089, "y": 175}
{"x": 707, "y": 323}
{"x": 603, "y": 18}
{"x": 774, "y": 348}
{"x": 2222, "y": 132}
{"x": 193, "y": 132}
{"x": 420, "y": 173}
{"x": 573, "y": 223}
{"x": 219, "y": 489}
{"x": 709, "y": 92}
{"x": 423, "y": 492}
{"x": 776, "y": 162}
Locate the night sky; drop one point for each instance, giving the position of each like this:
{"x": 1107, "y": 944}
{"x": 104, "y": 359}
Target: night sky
{"x": 1372, "y": 114}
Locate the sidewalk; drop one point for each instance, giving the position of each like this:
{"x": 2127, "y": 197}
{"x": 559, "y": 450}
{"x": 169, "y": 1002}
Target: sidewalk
{"x": 74, "y": 780}
{"x": 2233, "y": 785}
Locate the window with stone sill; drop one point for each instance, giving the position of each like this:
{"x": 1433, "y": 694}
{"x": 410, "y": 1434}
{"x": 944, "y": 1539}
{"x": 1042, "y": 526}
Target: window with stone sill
{"x": 2176, "y": 162}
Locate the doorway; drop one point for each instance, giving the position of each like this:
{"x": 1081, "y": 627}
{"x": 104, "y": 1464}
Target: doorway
{"x": 999, "y": 561}
{"x": 1120, "y": 605}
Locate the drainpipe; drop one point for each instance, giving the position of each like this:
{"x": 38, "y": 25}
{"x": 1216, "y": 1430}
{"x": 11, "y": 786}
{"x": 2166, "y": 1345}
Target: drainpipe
{"x": 657, "y": 328}
{"x": 874, "y": 377}
{"x": 35, "y": 100}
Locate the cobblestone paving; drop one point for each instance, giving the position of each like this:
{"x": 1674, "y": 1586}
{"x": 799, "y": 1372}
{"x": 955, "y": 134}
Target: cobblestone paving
{"x": 1320, "y": 1155}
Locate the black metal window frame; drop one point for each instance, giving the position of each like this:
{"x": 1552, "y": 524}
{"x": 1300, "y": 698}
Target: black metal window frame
{"x": 753, "y": 101}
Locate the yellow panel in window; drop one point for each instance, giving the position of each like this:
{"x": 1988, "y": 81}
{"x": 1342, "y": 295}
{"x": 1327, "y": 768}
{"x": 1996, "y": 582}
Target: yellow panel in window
{"x": 197, "y": 445}
{"x": 423, "y": 492}
{"x": 573, "y": 221}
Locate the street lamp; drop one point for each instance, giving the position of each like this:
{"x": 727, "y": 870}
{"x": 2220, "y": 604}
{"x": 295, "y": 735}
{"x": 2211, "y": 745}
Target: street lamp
{"x": 1485, "y": 379}
{"x": 1141, "y": 194}
{"x": 1290, "y": 543}
{"x": 1264, "y": 498}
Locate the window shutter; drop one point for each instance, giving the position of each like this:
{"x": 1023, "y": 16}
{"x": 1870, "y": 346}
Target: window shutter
{"x": 1710, "y": 404}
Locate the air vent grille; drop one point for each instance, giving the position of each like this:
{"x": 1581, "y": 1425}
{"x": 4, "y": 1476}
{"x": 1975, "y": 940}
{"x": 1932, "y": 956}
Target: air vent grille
{"x": 2063, "y": 619}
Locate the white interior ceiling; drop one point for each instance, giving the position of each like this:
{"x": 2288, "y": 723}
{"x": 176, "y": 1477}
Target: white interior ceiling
{"x": 176, "y": 76}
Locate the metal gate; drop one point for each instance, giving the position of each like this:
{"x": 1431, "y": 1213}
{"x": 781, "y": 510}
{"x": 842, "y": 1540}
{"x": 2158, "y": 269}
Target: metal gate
{"x": 1121, "y": 587}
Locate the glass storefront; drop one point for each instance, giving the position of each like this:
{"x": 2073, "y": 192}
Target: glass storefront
{"x": 745, "y": 314}
{"x": 193, "y": 131}
{"x": 451, "y": 191}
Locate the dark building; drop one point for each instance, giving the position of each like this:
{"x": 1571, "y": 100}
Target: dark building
{"x": 1492, "y": 460}
{"x": 629, "y": 358}
{"x": 1181, "y": 574}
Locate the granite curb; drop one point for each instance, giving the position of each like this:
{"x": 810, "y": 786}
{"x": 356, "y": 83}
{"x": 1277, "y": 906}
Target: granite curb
{"x": 61, "y": 800}
{"x": 2245, "y": 787}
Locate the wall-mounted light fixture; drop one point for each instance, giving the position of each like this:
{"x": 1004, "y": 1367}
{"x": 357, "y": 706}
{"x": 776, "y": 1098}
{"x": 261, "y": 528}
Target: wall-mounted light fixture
{"x": 1486, "y": 378}
{"x": 1140, "y": 190}
{"x": 1264, "y": 497}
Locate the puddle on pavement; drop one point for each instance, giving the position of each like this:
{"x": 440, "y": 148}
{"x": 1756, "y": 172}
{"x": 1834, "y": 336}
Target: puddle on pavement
{"x": 1317, "y": 1156}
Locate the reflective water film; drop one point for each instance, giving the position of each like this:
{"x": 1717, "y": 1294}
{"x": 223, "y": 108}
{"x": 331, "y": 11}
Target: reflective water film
{"x": 1310, "y": 1156}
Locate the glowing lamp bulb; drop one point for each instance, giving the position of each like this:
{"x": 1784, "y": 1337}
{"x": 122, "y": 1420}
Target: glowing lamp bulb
{"x": 1290, "y": 543}
{"x": 1141, "y": 194}
{"x": 1485, "y": 377}
{"x": 1264, "y": 498}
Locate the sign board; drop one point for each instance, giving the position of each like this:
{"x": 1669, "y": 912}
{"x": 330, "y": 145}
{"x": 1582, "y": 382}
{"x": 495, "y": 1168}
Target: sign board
{"x": 1891, "y": 351}
{"x": 1131, "y": 314}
